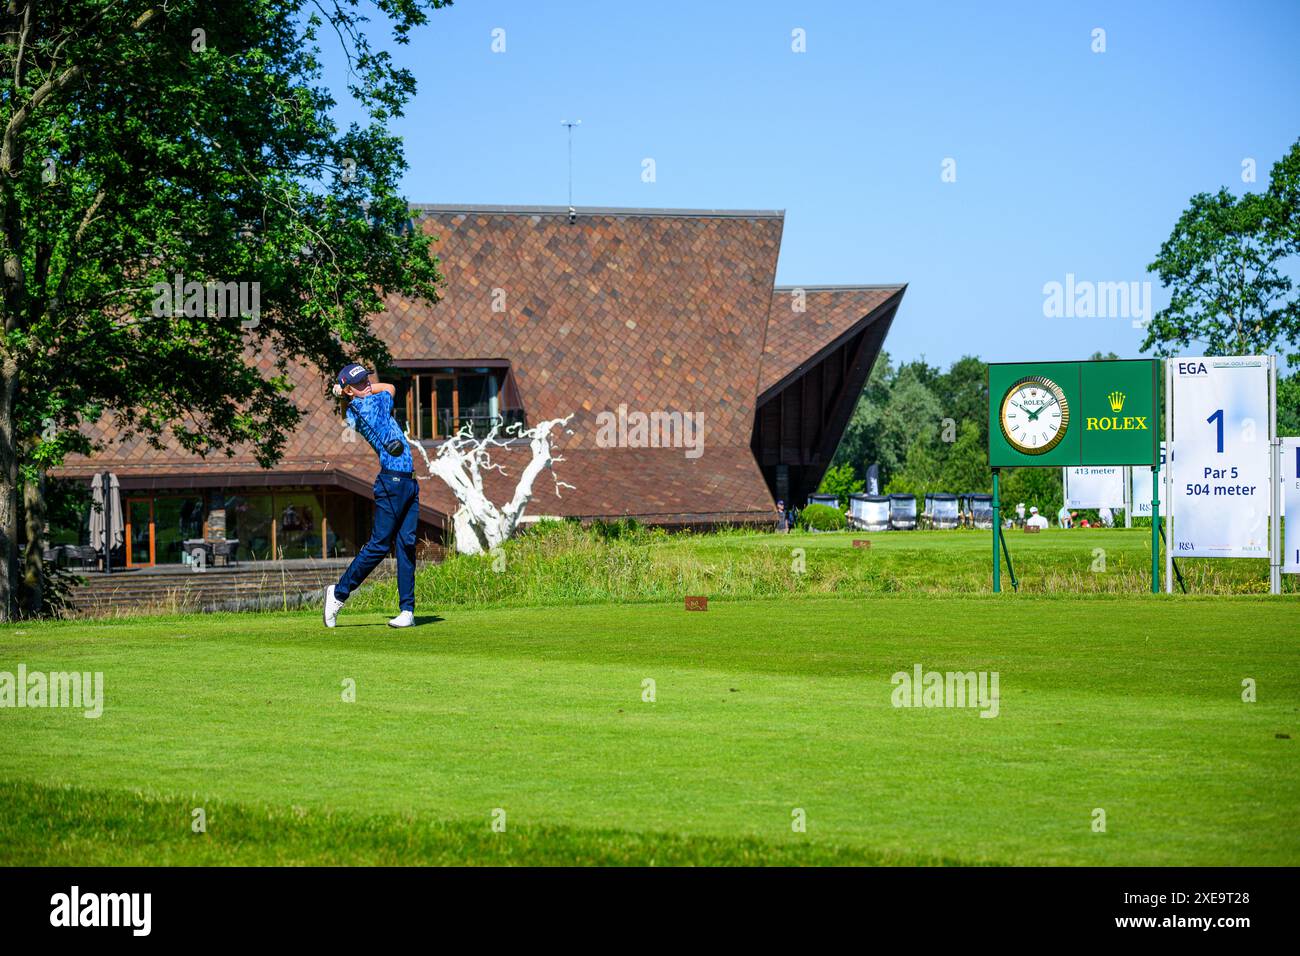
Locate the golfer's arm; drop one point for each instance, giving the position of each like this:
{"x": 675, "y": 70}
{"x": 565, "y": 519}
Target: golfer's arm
{"x": 379, "y": 386}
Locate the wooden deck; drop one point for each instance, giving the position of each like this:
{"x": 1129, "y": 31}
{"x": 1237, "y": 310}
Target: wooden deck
{"x": 244, "y": 586}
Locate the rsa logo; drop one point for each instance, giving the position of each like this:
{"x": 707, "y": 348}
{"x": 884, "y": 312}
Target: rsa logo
{"x": 1192, "y": 368}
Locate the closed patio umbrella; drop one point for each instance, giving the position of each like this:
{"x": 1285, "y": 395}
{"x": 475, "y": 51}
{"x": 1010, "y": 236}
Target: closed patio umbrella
{"x": 106, "y": 513}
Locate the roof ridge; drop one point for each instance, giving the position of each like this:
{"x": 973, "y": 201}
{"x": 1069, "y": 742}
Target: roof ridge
{"x": 840, "y": 288}
{"x": 600, "y": 211}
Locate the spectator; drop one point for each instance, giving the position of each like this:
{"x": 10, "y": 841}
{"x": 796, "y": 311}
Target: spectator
{"x": 1107, "y": 519}
{"x": 1063, "y": 517}
{"x": 1035, "y": 519}
{"x": 782, "y": 519}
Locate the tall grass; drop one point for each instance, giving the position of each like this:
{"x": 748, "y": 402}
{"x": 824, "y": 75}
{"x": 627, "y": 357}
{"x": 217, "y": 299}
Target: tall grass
{"x": 564, "y": 563}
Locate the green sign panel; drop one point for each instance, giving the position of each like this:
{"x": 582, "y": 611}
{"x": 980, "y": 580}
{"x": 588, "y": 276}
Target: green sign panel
{"x": 1060, "y": 414}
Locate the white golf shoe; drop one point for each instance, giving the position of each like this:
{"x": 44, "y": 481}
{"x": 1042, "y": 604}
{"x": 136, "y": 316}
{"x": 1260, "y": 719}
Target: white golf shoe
{"x": 331, "y": 607}
{"x": 405, "y": 619}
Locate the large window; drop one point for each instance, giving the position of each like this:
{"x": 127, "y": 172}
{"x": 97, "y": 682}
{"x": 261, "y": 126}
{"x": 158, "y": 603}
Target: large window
{"x": 439, "y": 402}
{"x": 298, "y": 524}
{"x": 248, "y": 520}
{"x": 268, "y": 523}
{"x": 294, "y": 519}
{"x": 343, "y": 538}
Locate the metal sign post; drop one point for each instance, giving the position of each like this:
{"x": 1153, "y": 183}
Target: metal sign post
{"x": 1128, "y": 496}
{"x": 997, "y": 532}
{"x": 1155, "y": 528}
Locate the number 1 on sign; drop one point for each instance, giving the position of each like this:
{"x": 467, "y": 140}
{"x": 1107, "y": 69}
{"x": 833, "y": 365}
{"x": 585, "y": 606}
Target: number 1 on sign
{"x": 1219, "y": 416}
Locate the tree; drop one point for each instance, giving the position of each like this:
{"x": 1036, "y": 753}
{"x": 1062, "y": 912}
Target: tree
{"x": 965, "y": 464}
{"x": 181, "y": 219}
{"x": 925, "y": 373}
{"x": 1288, "y": 405}
{"x": 901, "y": 420}
{"x": 461, "y": 461}
{"x": 1226, "y": 266}
{"x": 1284, "y": 193}
{"x": 909, "y": 422}
{"x": 1034, "y": 487}
{"x": 921, "y": 471}
{"x": 963, "y": 393}
{"x": 860, "y": 444}
{"x": 840, "y": 481}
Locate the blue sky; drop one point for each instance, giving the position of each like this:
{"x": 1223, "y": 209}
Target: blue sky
{"x": 1067, "y": 161}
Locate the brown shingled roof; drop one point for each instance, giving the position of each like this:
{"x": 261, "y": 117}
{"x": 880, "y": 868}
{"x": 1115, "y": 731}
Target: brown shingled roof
{"x": 806, "y": 320}
{"x": 660, "y": 310}
{"x": 656, "y": 311}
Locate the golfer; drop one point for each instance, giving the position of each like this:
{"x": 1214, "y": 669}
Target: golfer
{"x": 397, "y": 495}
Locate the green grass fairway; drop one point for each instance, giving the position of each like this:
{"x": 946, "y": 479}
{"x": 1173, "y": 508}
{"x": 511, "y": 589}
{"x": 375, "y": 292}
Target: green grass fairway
{"x": 1129, "y": 704}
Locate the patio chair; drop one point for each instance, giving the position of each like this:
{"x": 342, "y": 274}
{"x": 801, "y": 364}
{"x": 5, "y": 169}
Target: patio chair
{"x": 227, "y": 550}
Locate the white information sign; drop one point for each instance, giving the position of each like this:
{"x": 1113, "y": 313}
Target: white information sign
{"x": 1098, "y": 487}
{"x": 1221, "y": 491}
{"x": 1291, "y": 505}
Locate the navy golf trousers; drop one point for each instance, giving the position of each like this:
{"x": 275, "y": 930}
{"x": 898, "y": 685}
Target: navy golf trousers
{"x": 397, "y": 509}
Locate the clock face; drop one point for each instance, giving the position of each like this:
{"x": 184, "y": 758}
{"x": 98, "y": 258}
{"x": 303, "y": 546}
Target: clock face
{"x": 1035, "y": 415}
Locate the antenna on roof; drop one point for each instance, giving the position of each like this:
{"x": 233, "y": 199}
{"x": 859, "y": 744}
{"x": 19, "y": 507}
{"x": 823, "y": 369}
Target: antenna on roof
{"x": 573, "y": 213}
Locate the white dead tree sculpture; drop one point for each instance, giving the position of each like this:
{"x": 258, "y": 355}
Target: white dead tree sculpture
{"x": 479, "y": 524}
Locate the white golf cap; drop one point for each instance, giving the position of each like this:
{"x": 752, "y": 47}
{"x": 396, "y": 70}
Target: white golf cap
{"x": 1033, "y": 511}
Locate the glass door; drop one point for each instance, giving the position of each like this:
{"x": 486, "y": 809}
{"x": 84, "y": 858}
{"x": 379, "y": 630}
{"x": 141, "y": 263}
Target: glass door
{"x": 446, "y": 406}
{"x": 477, "y": 401}
{"x": 139, "y": 532}
{"x": 176, "y": 520}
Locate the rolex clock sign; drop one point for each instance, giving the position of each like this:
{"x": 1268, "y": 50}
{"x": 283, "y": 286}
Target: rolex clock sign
{"x": 1059, "y": 414}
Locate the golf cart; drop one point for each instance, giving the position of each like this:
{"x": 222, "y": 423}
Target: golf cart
{"x": 902, "y": 512}
{"x": 979, "y": 507}
{"x": 869, "y": 512}
{"x": 941, "y": 512}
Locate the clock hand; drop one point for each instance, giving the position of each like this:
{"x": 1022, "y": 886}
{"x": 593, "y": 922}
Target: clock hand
{"x": 1033, "y": 416}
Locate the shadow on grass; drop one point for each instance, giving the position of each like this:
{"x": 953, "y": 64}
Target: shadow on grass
{"x": 419, "y": 621}
{"x": 62, "y": 826}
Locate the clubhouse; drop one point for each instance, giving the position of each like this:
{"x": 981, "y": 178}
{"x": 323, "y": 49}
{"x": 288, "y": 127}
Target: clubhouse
{"x": 747, "y": 387}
